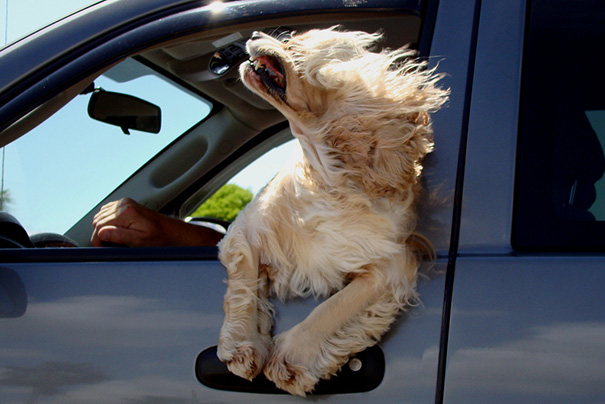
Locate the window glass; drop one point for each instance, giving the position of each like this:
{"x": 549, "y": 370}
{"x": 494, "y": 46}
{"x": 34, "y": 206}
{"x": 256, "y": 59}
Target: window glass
{"x": 560, "y": 190}
{"x": 59, "y": 171}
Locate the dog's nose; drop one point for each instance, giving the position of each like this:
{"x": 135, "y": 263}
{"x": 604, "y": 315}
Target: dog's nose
{"x": 256, "y": 35}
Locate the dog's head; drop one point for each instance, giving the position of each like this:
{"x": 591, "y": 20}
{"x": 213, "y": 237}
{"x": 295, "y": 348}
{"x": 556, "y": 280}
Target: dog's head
{"x": 361, "y": 116}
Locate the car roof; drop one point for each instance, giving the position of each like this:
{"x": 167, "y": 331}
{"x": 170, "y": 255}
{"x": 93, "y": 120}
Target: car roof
{"x": 106, "y": 15}
{"x": 34, "y": 59}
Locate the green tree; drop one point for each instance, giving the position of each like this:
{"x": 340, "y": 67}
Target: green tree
{"x": 226, "y": 203}
{"x": 5, "y": 200}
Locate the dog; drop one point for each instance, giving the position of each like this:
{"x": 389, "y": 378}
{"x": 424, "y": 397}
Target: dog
{"x": 339, "y": 221}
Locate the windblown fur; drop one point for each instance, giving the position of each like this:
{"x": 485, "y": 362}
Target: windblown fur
{"x": 338, "y": 221}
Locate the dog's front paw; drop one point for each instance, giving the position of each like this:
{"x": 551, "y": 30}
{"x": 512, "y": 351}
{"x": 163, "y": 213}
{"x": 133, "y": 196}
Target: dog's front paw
{"x": 245, "y": 358}
{"x": 291, "y": 377}
{"x": 246, "y": 361}
{"x": 293, "y": 366}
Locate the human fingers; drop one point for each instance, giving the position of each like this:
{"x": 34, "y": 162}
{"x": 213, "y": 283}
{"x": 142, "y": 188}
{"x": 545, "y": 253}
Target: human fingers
{"x": 94, "y": 239}
{"x": 121, "y": 236}
{"x": 105, "y": 211}
{"x": 114, "y": 209}
{"x": 122, "y": 213}
{"x": 114, "y": 214}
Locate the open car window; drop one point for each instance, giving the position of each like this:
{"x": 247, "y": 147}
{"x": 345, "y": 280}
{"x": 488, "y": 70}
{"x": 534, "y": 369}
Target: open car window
{"x": 258, "y": 173}
{"x": 232, "y": 197}
{"x": 56, "y": 173}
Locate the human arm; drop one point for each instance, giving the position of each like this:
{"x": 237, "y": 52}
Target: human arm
{"x": 126, "y": 222}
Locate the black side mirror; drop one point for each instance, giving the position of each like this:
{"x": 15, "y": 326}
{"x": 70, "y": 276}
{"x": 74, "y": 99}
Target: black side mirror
{"x": 125, "y": 111}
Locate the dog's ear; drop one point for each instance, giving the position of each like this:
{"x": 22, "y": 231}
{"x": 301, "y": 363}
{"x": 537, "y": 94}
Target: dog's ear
{"x": 383, "y": 156}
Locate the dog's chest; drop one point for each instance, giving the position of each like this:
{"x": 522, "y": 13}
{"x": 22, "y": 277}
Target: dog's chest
{"x": 316, "y": 247}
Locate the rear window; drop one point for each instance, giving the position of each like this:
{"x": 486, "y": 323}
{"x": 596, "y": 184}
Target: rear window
{"x": 560, "y": 188}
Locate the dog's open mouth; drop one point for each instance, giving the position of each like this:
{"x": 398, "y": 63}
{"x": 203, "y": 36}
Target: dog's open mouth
{"x": 271, "y": 73}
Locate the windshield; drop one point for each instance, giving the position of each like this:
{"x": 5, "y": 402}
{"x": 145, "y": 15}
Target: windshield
{"x": 59, "y": 171}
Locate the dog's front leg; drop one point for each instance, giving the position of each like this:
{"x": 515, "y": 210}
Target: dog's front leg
{"x": 244, "y": 341}
{"x": 348, "y": 322}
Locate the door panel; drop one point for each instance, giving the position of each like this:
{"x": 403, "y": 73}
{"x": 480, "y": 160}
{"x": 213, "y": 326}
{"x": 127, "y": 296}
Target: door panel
{"x": 113, "y": 332}
{"x": 527, "y": 330}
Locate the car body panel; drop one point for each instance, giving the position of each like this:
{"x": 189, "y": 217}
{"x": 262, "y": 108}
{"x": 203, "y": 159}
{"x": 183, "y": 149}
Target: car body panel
{"x": 451, "y": 54}
{"x": 527, "y": 330}
{"x": 131, "y": 331}
{"x": 493, "y": 124}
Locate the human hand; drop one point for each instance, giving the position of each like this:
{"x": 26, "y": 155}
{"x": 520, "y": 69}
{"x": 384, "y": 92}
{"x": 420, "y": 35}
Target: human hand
{"x": 126, "y": 222}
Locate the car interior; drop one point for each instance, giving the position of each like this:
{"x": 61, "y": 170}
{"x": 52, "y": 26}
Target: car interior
{"x": 241, "y": 126}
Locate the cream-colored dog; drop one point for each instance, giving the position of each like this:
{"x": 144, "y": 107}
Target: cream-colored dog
{"x": 339, "y": 220}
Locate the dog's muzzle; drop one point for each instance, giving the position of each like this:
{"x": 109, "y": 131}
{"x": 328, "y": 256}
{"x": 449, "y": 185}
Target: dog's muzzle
{"x": 271, "y": 73}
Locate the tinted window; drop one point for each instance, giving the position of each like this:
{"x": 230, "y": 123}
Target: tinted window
{"x": 560, "y": 195}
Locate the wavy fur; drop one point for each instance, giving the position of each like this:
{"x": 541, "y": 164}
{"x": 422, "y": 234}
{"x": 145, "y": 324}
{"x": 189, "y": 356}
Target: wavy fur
{"x": 339, "y": 220}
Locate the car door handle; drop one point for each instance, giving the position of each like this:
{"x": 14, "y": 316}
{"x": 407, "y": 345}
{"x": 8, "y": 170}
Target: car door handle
{"x": 363, "y": 372}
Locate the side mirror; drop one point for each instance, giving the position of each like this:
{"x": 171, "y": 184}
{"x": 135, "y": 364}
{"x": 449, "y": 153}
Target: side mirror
{"x": 125, "y": 111}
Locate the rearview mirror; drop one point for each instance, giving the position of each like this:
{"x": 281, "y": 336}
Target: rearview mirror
{"x": 125, "y": 111}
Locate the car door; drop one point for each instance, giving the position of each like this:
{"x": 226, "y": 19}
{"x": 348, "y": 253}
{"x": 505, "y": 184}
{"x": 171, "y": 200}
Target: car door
{"x": 527, "y": 314}
{"x": 136, "y": 325}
